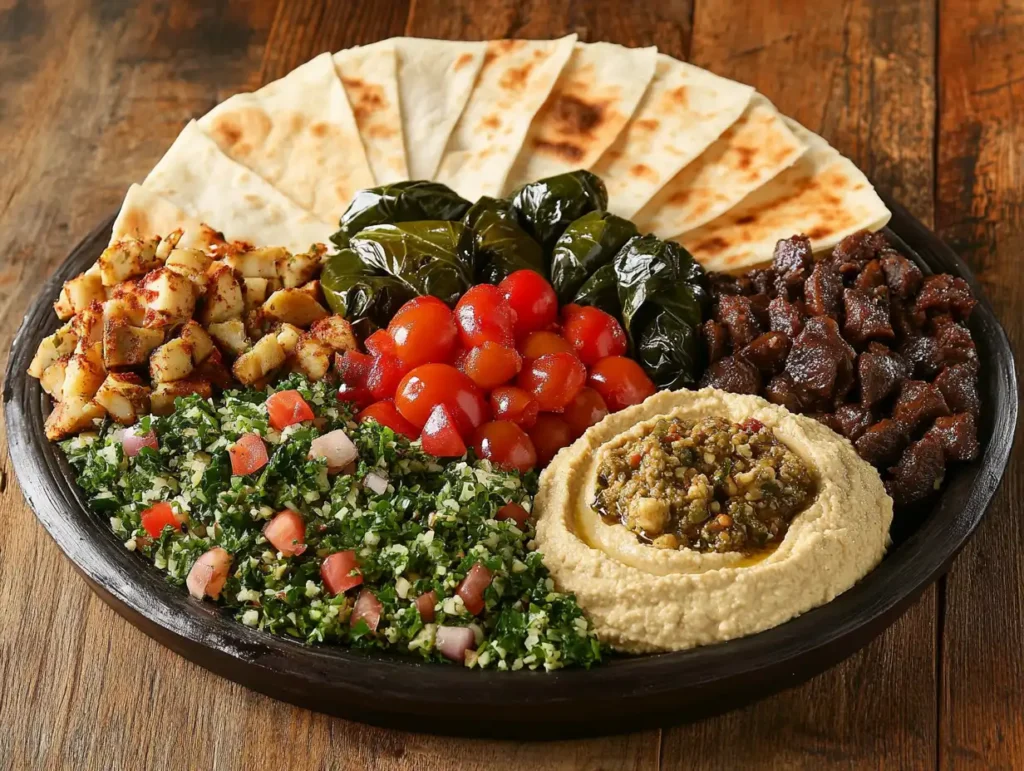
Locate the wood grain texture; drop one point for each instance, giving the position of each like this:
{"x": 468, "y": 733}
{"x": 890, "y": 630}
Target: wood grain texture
{"x": 92, "y": 93}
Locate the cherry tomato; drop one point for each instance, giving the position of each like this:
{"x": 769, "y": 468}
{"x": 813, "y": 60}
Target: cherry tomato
{"x": 385, "y": 413}
{"x": 536, "y": 344}
{"x": 506, "y": 445}
{"x": 367, "y": 608}
{"x": 353, "y": 367}
{"x": 423, "y": 332}
{"x": 287, "y": 533}
{"x": 554, "y": 379}
{"x": 513, "y": 511}
{"x": 441, "y": 436}
{"x": 482, "y": 314}
{"x": 340, "y": 572}
{"x": 425, "y": 605}
{"x": 594, "y": 334}
{"x": 248, "y": 454}
{"x": 515, "y": 404}
{"x": 472, "y": 587}
{"x": 386, "y": 373}
{"x": 380, "y": 342}
{"x": 432, "y": 384}
{"x": 157, "y": 517}
{"x": 286, "y": 408}
{"x": 549, "y": 434}
{"x": 533, "y": 300}
{"x": 490, "y": 364}
{"x": 584, "y": 411}
{"x": 620, "y": 381}
{"x": 360, "y": 397}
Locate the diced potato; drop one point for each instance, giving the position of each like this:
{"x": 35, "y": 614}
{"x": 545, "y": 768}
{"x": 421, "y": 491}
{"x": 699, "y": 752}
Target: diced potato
{"x": 79, "y": 293}
{"x": 171, "y": 361}
{"x": 312, "y": 357}
{"x": 127, "y": 308}
{"x": 71, "y": 415}
{"x": 255, "y": 292}
{"x": 52, "y": 380}
{"x": 230, "y": 335}
{"x": 298, "y": 269}
{"x": 170, "y": 295}
{"x": 167, "y": 244}
{"x": 60, "y": 343}
{"x": 288, "y": 336}
{"x": 295, "y": 306}
{"x": 196, "y": 336}
{"x": 223, "y": 295}
{"x": 128, "y": 259}
{"x": 259, "y": 263}
{"x": 335, "y": 332}
{"x": 192, "y": 264}
{"x": 124, "y": 396}
{"x": 213, "y": 369}
{"x": 85, "y": 372}
{"x": 161, "y": 400}
{"x": 125, "y": 345}
{"x": 266, "y": 356}
{"x": 88, "y": 326}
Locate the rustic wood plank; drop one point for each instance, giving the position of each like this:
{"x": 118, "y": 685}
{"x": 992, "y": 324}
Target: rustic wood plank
{"x": 861, "y": 74}
{"x": 980, "y": 211}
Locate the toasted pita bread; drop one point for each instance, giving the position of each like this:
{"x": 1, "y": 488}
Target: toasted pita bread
{"x": 823, "y": 195}
{"x": 145, "y": 214}
{"x": 300, "y": 135}
{"x": 751, "y": 151}
{"x": 684, "y": 110}
{"x": 196, "y": 176}
{"x": 514, "y": 81}
{"x": 370, "y": 77}
{"x": 435, "y": 78}
{"x": 593, "y": 99}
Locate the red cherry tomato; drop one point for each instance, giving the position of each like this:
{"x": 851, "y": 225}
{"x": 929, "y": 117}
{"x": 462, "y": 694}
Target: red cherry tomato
{"x": 514, "y": 512}
{"x": 157, "y": 517}
{"x": 353, "y": 367}
{"x": 472, "y": 587}
{"x": 386, "y": 373}
{"x": 549, "y": 434}
{"x": 584, "y": 411}
{"x": 533, "y": 300}
{"x": 490, "y": 364}
{"x": 248, "y": 454}
{"x": 425, "y": 605}
{"x": 483, "y": 314}
{"x": 506, "y": 445}
{"x": 554, "y": 379}
{"x": 620, "y": 381}
{"x": 367, "y": 608}
{"x": 432, "y": 384}
{"x": 441, "y": 436}
{"x": 286, "y": 408}
{"x": 536, "y": 344}
{"x": 385, "y": 413}
{"x": 515, "y": 404}
{"x": 287, "y": 533}
{"x": 356, "y": 395}
{"x": 380, "y": 342}
{"x": 594, "y": 334}
{"x": 340, "y": 572}
{"x": 423, "y": 332}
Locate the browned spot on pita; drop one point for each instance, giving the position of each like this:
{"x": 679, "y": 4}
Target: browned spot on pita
{"x": 381, "y": 132}
{"x": 643, "y": 172}
{"x": 746, "y": 157}
{"x": 646, "y": 124}
{"x": 319, "y": 129}
{"x": 367, "y": 99}
{"x": 711, "y": 246}
{"x": 492, "y": 122}
{"x": 682, "y": 197}
{"x": 747, "y": 219}
{"x": 462, "y": 61}
{"x": 239, "y": 131}
{"x": 573, "y": 115}
{"x": 679, "y": 96}
{"x": 516, "y": 78}
{"x": 566, "y": 150}
{"x": 820, "y": 232}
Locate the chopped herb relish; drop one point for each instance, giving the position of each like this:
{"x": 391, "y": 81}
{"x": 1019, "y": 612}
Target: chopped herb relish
{"x": 434, "y": 521}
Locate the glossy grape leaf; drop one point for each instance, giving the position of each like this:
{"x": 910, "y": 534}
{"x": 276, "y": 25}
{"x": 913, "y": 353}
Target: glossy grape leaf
{"x": 588, "y": 244}
{"x": 497, "y": 244}
{"x": 399, "y": 202}
{"x": 358, "y": 293}
{"x": 547, "y": 206}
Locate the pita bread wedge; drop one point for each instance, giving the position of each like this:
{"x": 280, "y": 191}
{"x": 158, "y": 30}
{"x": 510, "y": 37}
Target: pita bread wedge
{"x": 196, "y": 176}
{"x": 684, "y": 110}
{"x": 592, "y": 101}
{"x": 145, "y": 214}
{"x": 370, "y": 77}
{"x": 515, "y": 79}
{"x": 823, "y": 195}
{"x": 435, "y": 78}
{"x": 300, "y": 135}
{"x": 752, "y": 151}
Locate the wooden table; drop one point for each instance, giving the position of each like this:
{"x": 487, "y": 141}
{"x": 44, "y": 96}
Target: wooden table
{"x": 927, "y": 97}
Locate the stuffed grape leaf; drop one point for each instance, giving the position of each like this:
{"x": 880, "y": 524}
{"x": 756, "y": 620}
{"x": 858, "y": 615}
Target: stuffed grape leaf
{"x": 399, "y": 202}
{"x": 358, "y": 293}
{"x": 589, "y": 244}
{"x": 496, "y": 243}
{"x": 547, "y": 206}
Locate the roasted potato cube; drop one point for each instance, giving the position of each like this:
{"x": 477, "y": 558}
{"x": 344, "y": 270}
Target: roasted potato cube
{"x": 312, "y": 357}
{"x": 255, "y": 292}
{"x": 213, "y": 369}
{"x": 295, "y": 306}
{"x": 171, "y": 361}
{"x": 230, "y": 335}
{"x": 196, "y": 336}
{"x": 192, "y": 264}
{"x": 128, "y": 259}
{"x": 125, "y": 345}
{"x": 262, "y": 262}
{"x": 288, "y": 336}
{"x": 79, "y": 293}
{"x": 85, "y": 372}
{"x": 124, "y": 396}
{"x": 223, "y": 295}
{"x": 88, "y": 326}
{"x": 170, "y": 295}
{"x": 297, "y": 269}
{"x": 60, "y": 343}
{"x": 161, "y": 400}
{"x": 335, "y": 332}
{"x": 167, "y": 244}
{"x": 266, "y": 356}
{"x": 125, "y": 307}
{"x": 52, "y": 380}
{"x": 71, "y": 415}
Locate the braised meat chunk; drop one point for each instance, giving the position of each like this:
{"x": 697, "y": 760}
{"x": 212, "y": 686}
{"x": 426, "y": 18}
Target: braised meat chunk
{"x": 767, "y": 352}
{"x": 959, "y": 386}
{"x": 785, "y": 317}
{"x": 792, "y": 262}
{"x": 918, "y": 404}
{"x": 867, "y": 315}
{"x": 947, "y": 294}
{"x": 737, "y": 316}
{"x": 919, "y": 473}
{"x": 820, "y": 362}
{"x": 857, "y": 250}
{"x": 958, "y": 436}
{"x": 823, "y": 290}
{"x": 852, "y": 420}
{"x": 879, "y": 372}
{"x": 716, "y": 340}
{"x": 881, "y": 444}
{"x": 734, "y": 374}
{"x": 901, "y": 275}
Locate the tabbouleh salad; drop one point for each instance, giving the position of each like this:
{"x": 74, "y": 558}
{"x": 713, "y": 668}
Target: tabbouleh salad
{"x": 430, "y": 524}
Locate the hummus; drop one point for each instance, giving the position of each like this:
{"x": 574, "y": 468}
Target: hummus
{"x": 642, "y": 598}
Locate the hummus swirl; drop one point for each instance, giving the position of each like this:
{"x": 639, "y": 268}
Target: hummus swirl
{"x": 642, "y": 599}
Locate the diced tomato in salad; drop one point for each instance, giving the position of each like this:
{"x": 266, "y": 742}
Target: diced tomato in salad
{"x": 287, "y": 533}
{"x": 367, "y": 608}
{"x": 285, "y": 408}
{"x": 248, "y": 454}
{"x": 340, "y": 572}
{"x": 157, "y": 517}
{"x": 472, "y": 587}
{"x": 425, "y": 605}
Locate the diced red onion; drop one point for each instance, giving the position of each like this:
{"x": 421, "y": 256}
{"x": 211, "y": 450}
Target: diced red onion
{"x": 376, "y": 482}
{"x": 336, "y": 448}
{"x": 132, "y": 442}
{"x": 453, "y": 641}
{"x": 367, "y": 608}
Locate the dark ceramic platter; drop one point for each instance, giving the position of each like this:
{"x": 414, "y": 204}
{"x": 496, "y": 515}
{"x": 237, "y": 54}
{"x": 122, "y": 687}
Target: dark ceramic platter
{"x": 622, "y": 694}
